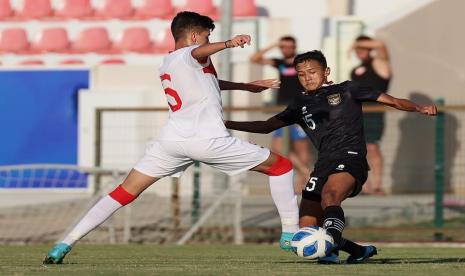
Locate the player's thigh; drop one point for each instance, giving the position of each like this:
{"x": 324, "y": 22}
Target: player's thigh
{"x": 277, "y": 140}
{"x": 277, "y": 144}
{"x": 373, "y": 149}
{"x": 136, "y": 182}
{"x": 229, "y": 154}
{"x": 163, "y": 158}
{"x": 338, "y": 187}
{"x": 310, "y": 213}
{"x": 302, "y": 149}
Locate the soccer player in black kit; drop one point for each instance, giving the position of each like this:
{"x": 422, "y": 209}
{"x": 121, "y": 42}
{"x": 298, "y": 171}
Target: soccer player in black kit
{"x": 332, "y": 118}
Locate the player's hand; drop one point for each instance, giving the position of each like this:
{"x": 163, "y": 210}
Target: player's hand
{"x": 260, "y": 85}
{"x": 238, "y": 40}
{"x": 430, "y": 110}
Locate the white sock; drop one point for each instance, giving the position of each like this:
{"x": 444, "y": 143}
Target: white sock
{"x": 101, "y": 211}
{"x": 285, "y": 199}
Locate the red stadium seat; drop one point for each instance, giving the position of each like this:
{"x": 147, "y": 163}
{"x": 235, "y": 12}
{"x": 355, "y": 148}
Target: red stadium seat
{"x": 92, "y": 40}
{"x": 76, "y": 9}
{"x": 71, "y": 62}
{"x": 33, "y": 9}
{"x": 244, "y": 8}
{"x": 156, "y": 8}
{"x": 5, "y": 9}
{"x": 136, "y": 39}
{"x": 204, "y": 7}
{"x": 52, "y": 40}
{"x": 32, "y": 62}
{"x": 113, "y": 61}
{"x": 164, "y": 42}
{"x": 14, "y": 40}
{"x": 116, "y": 9}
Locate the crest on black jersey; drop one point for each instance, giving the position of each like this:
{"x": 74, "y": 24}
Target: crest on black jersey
{"x": 334, "y": 99}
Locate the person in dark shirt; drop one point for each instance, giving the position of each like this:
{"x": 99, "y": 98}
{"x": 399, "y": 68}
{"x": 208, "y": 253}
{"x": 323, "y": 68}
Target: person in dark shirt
{"x": 331, "y": 116}
{"x": 290, "y": 88}
{"x": 373, "y": 71}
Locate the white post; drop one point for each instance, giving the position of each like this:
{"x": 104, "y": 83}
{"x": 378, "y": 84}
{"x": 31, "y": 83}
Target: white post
{"x": 237, "y": 196}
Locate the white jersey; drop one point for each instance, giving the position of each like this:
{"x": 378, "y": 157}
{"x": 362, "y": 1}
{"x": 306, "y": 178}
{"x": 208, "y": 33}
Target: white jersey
{"x": 193, "y": 95}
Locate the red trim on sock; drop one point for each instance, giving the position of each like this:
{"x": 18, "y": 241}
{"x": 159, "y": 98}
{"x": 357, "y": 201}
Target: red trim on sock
{"x": 280, "y": 167}
{"x": 122, "y": 196}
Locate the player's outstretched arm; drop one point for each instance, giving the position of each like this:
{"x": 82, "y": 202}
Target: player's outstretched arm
{"x": 256, "y": 126}
{"x": 209, "y": 49}
{"x": 406, "y": 105}
{"x": 254, "y": 86}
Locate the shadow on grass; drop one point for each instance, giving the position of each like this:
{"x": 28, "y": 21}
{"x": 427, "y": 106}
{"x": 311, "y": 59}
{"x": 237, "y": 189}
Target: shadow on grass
{"x": 416, "y": 260}
{"x": 393, "y": 261}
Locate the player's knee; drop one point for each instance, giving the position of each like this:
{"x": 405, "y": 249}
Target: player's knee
{"x": 122, "y": 196}
{"x": 308, "y": 221}
{"x": 372, "y": 147}
{"x": 331, "y": 197}
{"x": 281, "y": 166}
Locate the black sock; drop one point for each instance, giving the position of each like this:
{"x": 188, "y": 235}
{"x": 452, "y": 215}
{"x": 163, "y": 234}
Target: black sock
{"x": 334, "y": 222}
{"x": 351, "y": 247}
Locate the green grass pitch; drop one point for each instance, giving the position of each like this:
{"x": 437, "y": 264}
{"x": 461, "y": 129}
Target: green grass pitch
{"x": 222, "y": 260}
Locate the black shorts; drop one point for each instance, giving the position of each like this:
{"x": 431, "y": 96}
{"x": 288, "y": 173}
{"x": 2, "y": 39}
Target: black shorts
{"x": 355, "y": 165}
{"x": 373, "y": 124}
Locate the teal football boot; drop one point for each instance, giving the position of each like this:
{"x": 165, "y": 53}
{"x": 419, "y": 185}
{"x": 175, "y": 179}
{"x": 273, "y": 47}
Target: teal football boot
{"x": 57, "y": 254}
{"x": 285, "y": 241}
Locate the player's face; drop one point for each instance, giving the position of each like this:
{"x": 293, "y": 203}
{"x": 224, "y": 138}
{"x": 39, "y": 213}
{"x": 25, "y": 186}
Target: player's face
{"x": 312, "y": 75}
{"x": 201, "y": 38}
{"x": 362, "y": 53}
{"x": 287, "y": 48}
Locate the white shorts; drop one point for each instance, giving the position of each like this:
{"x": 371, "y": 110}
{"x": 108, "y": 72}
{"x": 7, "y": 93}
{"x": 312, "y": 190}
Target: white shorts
{"x": 227, "y": 154}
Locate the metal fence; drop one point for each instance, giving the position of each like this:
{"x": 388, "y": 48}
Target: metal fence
{"x": 424, "y": 177}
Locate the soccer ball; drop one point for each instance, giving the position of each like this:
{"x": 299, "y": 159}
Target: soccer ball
{"x": 312, "y": 242}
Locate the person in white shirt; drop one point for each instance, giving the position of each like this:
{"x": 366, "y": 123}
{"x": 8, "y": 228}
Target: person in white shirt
{"x": 195, "y": 131}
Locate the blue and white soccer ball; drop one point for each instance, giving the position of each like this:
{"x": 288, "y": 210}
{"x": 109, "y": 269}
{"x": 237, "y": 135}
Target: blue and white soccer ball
{"x": 312, "y": 242}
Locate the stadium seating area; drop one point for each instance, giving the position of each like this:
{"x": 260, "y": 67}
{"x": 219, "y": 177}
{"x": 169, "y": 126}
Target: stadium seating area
{"x": 114, "y": 9}
{"x": 93, "y": 40}
{"x": 80, "y": 27}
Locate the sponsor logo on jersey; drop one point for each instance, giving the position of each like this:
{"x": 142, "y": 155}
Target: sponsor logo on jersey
{"x": 334, "y": 99}
{"x": 304, "y": 110}
{"x": 340, "y": 167}
{"x": 328, "y": 223}
{"x": 287, "y": 71}
{"x": 360, "y": 70}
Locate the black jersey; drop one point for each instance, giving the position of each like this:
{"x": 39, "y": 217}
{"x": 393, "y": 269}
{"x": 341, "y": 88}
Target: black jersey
{"x": 332, "y": 118}
{"x": 369, "y": 77}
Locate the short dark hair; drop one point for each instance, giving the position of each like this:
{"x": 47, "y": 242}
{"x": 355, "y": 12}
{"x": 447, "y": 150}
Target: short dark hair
{"x": 186, "y": 21}
{"x": 311, "y": 55}
{"x": 288, "y": 38}
{"x": 363, "y": 37}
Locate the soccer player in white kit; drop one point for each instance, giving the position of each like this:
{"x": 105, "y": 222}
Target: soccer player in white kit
{"x": 195, "y": 131}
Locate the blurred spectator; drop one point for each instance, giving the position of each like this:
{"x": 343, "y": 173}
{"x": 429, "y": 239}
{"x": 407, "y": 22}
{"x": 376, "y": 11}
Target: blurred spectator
{"x": 374, "y": 71}
{"x": 290, "y": 87}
